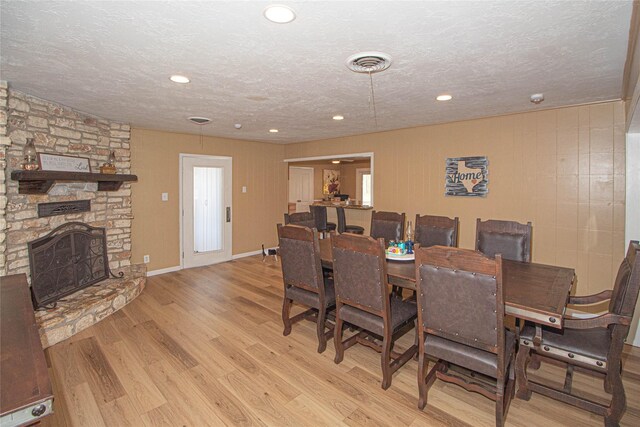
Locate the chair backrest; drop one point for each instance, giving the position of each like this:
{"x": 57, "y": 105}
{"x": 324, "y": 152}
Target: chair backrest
{"x": 460, "y": 296}
{"x": 304, "y": 219}
{"x": 434, "y": 230}
{"x": 627, "y": 284}
{"x": 342, "y": 222}
{"x": 360, "y": 272}
{"x": 509, "y": 238}
{"x": 320, "y": 215}
{"x": 387, "y": 225}
{"x": 300, "y": 258}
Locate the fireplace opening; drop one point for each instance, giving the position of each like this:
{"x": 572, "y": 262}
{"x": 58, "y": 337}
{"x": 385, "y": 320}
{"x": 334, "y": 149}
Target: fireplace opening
{"x": 70, "y": 258}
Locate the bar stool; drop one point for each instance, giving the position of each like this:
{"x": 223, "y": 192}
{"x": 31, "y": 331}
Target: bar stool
{"x": 343, "y": 227}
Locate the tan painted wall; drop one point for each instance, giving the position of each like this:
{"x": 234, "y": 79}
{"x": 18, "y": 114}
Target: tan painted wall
{"x": 155, "y": 159}
{"x": 562, "y": 169}
{"x": 348, "y": 177}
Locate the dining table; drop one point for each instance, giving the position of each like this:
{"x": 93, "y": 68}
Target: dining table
{"x": 532, "y": 291}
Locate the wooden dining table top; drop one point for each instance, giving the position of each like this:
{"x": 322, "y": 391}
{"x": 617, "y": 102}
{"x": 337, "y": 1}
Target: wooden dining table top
{"x": 535, "y": 292}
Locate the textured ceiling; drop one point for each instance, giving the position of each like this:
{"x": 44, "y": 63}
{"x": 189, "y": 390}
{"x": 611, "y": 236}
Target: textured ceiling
{"x": 113, "y": 59}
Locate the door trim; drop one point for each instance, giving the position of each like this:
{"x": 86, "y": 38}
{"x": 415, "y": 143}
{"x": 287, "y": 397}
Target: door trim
{"x": 181, "y": 207}
{"x": 359, "y": 189}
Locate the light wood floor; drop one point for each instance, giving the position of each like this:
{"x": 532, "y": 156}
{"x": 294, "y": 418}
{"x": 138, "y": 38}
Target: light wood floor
{"x": 204, "y": 347}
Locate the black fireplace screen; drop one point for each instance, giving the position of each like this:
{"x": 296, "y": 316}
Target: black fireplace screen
{"x": 70, "y": 258}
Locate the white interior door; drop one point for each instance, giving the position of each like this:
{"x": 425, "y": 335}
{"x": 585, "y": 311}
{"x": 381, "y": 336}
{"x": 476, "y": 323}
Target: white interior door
{"x": 301, "y": 187}
{"x": 206, "y": 210}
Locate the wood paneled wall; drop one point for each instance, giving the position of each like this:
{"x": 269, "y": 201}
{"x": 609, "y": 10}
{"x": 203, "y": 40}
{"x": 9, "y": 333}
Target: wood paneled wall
{"x": 561, "y": 169}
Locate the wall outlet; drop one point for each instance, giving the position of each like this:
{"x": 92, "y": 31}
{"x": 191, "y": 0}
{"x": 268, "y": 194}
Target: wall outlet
{"x": 244, "y": 189}
{"x": 146, "y": 259}
{"x": 165, "y": 197}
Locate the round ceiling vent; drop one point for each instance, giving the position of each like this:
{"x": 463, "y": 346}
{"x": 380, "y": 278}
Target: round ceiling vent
{"x": 199, "y": 120}
{"x": 368, "y": 62}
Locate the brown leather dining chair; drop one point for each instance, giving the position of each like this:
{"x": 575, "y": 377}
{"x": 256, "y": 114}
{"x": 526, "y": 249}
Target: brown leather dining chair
{"x": 303, "y": 219}
{"x": 460, "y": 324}
{"x": 343, "y": 227}
{"x": 363, "y": 300}
{"x": 509, "y": 238}
{"x": 304, "y": 282}
{"x": 594, "y": 344}
{"x": 434, "y": 230}
{"x": 387, "y": 225}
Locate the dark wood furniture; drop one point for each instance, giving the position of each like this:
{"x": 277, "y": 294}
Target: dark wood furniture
{"x": 509, "y": 238}
{"x": 25, "y": 392}
{"x": 432, "y": 230}
{"x": 343, "y": 227}
{"x": 535, "y": 292}
{"x": 594, "y": 344}
{"x": 387, "y": 225}
{"x": 304, "y": 282}
{"x": 320, "y": 216}
{"x": 39, "y": 182}
{"x": 303, "y": 219}
{"x": 363, "y": 300}
{"x": 461, "y": 325}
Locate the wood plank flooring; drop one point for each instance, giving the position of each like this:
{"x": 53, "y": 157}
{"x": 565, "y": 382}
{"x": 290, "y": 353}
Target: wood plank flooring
{"x": 204, "y": 347}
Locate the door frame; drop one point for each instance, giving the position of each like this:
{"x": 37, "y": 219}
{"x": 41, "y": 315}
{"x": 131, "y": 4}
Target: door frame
{"x": 359, "y": 173}
{"x": 181, "y": 207}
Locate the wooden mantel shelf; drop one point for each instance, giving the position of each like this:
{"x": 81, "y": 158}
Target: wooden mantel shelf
{"x": 39, "y": 182}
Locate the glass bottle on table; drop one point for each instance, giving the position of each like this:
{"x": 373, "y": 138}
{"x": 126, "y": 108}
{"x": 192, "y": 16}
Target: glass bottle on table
{"x": 409, "y": 242}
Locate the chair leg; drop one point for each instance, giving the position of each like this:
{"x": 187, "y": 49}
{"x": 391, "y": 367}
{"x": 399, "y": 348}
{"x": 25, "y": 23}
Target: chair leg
{"x": 618, "y": 399}
{"x": 500, "y": 403}
{"x": 534, "y": 362}
{"x": 322, "y": 339}
{"x": 286, "y": 310}
{"x": 337, "y": 337}
{"x": 522, "y": 359}
{"x": 387, "y": 375}
{"x": 423, "y": 368}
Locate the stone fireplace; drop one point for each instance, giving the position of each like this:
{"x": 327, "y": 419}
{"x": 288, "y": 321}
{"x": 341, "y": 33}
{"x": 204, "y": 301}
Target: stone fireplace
{"x": 58, "y": 129}
{"x": 70, "y": 258}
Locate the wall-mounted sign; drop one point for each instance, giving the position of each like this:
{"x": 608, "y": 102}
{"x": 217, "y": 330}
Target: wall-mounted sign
{"x": 59, "y": 162}
{"x": 466, "y": 176}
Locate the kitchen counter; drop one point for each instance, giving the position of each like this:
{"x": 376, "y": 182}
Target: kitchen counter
{"x": 342, "y": 205}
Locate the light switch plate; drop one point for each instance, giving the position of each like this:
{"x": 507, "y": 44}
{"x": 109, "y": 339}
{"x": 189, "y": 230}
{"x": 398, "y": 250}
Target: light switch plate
{"x": 244, "y": 189}
{"x": 165, "y": 197}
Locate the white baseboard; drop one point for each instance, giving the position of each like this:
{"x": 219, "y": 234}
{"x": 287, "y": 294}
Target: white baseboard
{"x": 163, "y": 271}
{"x": 246, "y": 254}
{"x": 252, "y": 253}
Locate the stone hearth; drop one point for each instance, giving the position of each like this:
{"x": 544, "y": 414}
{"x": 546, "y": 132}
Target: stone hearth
{"x": 88, "y": 306}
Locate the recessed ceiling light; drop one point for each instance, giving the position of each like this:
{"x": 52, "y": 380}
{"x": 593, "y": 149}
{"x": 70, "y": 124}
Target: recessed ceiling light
{"x": 338, "y": 117}
{"x": 279, "y": 14}
{"x": 335, "y": 162}
{"x": 273, "y": 130}
{"x": 444, "y": 97}
{"x": 176, "y": 78}
{"x": 537, "y": 98}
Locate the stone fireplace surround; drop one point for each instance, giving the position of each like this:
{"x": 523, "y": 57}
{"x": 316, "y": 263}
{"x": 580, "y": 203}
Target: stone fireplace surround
{"x": 60, "y": 130}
